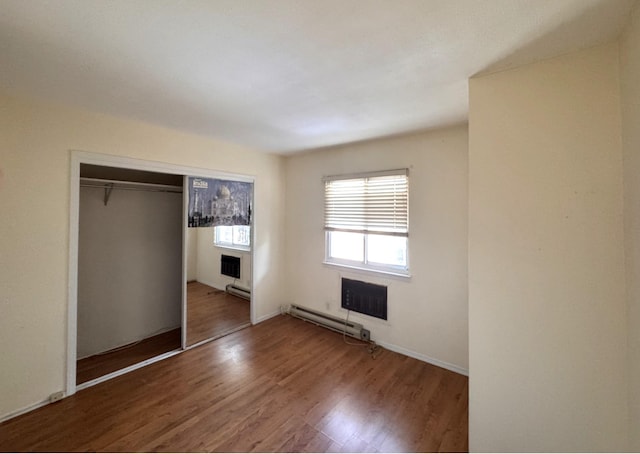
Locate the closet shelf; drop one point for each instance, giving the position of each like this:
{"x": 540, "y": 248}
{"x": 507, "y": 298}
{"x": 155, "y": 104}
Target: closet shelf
{"x": 110, "y": 185}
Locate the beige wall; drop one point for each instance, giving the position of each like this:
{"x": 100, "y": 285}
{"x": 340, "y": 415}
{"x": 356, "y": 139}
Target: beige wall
{"x": 547, "y": 325}
{"x": 35, "y": 139}
{"x": 630, "y": 101}
{"x": 428, "y": 313}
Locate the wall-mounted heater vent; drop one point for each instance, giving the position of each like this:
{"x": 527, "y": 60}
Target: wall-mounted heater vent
{"x": 236, "y": 290}
{"x": 230, "y": 266}
{"x": 368, "y": 299}
{"x": 333, "y": 323}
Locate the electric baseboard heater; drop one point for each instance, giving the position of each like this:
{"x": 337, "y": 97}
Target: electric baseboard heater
{"x": 236, "y": 290}
{"x": 339, "y": 325}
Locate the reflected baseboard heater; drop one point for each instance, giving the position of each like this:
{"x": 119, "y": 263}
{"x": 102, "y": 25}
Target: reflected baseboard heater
{"x": 236, "y": 290}
{"x": 333, "y": 323}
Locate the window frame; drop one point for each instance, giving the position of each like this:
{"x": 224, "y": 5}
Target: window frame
{"x": 365, "y": 264}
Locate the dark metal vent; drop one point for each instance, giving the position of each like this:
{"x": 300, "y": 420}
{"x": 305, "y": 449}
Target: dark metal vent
{"x": 230, "y": 266}
{"x": 369, "y": 299}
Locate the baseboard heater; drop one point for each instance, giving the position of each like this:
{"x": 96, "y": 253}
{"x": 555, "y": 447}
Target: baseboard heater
{"x": 236, "y": 290}
{"x": 333, "y": 323}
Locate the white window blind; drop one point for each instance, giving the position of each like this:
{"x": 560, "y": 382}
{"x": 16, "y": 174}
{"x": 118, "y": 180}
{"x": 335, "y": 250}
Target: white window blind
{"x": 373, "y": 203}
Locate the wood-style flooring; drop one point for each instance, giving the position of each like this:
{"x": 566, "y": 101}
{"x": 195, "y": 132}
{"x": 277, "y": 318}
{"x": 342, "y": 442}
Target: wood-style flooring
{"x": 105, "y": 363}
{"x": 212, "y": 312}
{"x": 283, "y": 386}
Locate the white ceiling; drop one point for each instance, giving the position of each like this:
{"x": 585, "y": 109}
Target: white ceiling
{"x": 285, "y": 75}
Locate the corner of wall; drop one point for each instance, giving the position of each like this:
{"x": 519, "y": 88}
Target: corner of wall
{"x": 629, "y": 64}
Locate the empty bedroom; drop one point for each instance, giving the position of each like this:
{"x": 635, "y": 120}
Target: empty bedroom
{"x": 319, "y": 226}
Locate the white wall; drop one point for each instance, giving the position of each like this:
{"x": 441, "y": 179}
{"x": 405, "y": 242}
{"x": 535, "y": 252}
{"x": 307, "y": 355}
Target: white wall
{"x": 630, "y": 100}
{"x": 427, "y": 315}
{"x": 547, "y": 326}
{"x": 129, "y": 267}
{"x": 35, "y": 139}
{"x": 208, "y": 262}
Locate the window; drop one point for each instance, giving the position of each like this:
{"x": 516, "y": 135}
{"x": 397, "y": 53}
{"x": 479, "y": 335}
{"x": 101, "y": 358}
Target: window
{"x": 233, "y": 236}
{"x": 367, "y": 221}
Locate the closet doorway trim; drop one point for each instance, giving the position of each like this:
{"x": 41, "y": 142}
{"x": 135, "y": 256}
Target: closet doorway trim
{"x": 79, "y": 157}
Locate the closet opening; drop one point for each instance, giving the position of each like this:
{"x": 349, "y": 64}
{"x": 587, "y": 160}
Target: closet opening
{"x": 129, "y": 269}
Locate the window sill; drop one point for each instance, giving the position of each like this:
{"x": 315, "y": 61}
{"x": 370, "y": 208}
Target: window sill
{"x": 396, "y": 274}
{"x": 232, "y": 248}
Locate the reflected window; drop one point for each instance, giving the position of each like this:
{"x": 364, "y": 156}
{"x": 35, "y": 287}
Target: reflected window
{"x": 233, "y": 236}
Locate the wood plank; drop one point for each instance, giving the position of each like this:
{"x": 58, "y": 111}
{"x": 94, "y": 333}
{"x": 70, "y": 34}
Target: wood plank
{"x": 281, "y": 386}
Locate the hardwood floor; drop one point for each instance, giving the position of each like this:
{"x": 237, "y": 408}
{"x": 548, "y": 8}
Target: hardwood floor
{"x": 98, "y": 365}
{"x": 212, "y": 312}
{"x": 283, "y": 385}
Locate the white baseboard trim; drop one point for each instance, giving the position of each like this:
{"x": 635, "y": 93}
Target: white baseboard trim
{"x": 425, "y": 358}
{"x": 24, "y": 410}
{"x": 264, "y": 318}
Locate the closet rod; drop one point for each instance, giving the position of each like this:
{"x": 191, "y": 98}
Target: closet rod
{"x": 110, "y": 185}
{"x": 100, "y": 182}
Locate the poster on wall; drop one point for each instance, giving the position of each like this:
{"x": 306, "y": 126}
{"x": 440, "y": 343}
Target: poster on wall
{"x": 215, "y": 202}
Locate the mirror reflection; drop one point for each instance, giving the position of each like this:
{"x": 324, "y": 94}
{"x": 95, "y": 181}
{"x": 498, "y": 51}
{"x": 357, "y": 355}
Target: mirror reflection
{"x": 218, "y": 241}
